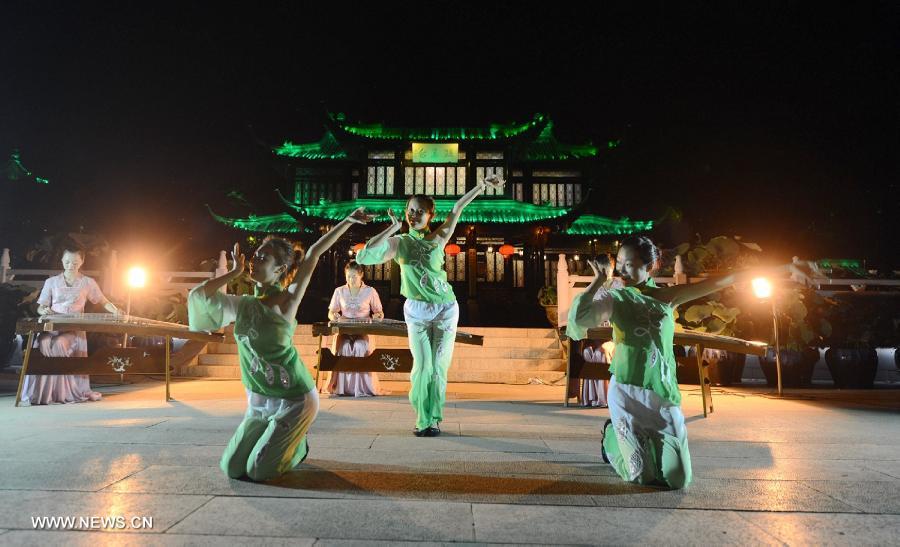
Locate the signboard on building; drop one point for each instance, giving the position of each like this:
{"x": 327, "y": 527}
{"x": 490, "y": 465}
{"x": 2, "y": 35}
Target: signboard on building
{"x": 435, "y": 152}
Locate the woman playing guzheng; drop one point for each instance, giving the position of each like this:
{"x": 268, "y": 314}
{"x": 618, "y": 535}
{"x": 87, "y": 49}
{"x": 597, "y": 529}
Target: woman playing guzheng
{"x": 430, "y": 311}
{"x": 645, "y": 439}
{"x": 65, "y": 293}
{"x": 355, "y": 300}
{"x": 282, "y": 401}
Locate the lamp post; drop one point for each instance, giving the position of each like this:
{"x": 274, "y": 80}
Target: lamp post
{"x": 136, "y": 279}
{"x": 762, "y": 287}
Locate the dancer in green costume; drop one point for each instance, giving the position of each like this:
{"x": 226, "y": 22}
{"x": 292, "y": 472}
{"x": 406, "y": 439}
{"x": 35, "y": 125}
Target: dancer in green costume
{"x": 281, "y": 398}
{"x": 645, "y": 439}
{"x": 431, "y": 312}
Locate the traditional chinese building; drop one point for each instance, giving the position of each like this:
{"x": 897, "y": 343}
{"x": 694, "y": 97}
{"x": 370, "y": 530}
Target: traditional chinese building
{"x": 507, "y": 242}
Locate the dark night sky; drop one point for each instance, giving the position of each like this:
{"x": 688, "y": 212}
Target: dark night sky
{"x": 779, "y": 122}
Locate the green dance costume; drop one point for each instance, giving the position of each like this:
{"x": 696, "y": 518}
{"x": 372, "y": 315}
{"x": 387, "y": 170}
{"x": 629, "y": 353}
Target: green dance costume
{"x": 431, "y": 314}
{"x": 646, "y": 441}
{"x": 282, "y": 403}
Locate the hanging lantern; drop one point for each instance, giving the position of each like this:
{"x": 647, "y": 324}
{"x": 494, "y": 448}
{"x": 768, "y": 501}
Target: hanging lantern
{"x": 452, "y": 249}
{"x": 358, "y": 247}
{"x": 507, "y": 250}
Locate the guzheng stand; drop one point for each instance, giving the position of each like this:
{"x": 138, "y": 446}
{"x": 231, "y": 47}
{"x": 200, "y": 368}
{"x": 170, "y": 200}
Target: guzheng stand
{"x": 108, "y": 360}
{"x": 576, "y": 367}
{"x": 380, "y": 360}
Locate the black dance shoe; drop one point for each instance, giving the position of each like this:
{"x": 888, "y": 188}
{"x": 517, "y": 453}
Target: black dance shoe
{"x": 433, "y": 431}
{"x": 421, "y": 432}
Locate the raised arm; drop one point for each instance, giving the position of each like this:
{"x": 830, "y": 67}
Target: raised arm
{"x": 591, "y": 308}
{"x": 309, "y": 261}
{"x": 237, "y": 268}
{"x": 381, "y": 248}
{"x": 680, "y": 294}
{"x": 445, "y": 230}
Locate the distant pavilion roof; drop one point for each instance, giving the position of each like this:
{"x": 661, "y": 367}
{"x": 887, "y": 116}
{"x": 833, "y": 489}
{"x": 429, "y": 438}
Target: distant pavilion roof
{"x": 492, "y": 132}
{"x": 490, "y": 211}
{"x": 326, "y": 148}
{"x": 547, "y": 147}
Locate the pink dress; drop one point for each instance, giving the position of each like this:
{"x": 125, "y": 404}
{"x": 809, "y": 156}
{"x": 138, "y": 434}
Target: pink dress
{"x": 62, "y": 298}
{"x": 361, "y": 306}
{"x": 593, "y": 392}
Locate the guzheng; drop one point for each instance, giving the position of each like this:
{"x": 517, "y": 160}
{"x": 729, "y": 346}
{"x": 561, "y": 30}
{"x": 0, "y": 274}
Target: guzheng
{"x": 381, "y": 327}
{"x": 379, "y": 360}
{"x": 692, "y": 338}
{"x": 579, "y": 369}
{"x": 111, "y": 359}
{"x": 113, "y": 322}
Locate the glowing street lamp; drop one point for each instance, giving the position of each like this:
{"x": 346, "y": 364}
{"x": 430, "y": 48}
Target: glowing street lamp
{"x": 135, "y": 279}
{"x": 762, "y": 288}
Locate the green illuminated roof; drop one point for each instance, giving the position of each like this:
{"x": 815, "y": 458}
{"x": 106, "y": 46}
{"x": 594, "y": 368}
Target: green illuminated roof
{"x": 547, "y": 147}
{"x": 327, "y": 148}
{"x": 593, "y": 225}
{"x": 15, "y": 171}
{"x": 493, "y": 131}
{"x": 282, "y": 223}
{"x": 503, "y": 211}
{"x": 852, "y": 265}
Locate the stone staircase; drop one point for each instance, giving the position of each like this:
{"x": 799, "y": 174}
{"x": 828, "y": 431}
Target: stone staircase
{"x": 509, "y": 356}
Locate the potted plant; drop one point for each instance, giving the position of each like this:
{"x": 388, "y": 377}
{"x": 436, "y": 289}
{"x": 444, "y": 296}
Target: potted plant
{"x": 714, "y": 317}
{"x": 802, "y": 329}
{"x": 718, "y": 313}
{"x": 862, "y": 322}
{"x": 547, "y": 299}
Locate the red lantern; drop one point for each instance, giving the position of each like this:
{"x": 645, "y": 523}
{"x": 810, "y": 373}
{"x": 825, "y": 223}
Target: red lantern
{"x": 507, "y": 250}
{"x": 452, "y": 249}
{"x": 358, "y": 247}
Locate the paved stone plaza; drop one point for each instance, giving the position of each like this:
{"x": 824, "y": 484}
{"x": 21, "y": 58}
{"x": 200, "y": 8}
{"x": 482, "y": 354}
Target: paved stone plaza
{"x": 512, "y": 466}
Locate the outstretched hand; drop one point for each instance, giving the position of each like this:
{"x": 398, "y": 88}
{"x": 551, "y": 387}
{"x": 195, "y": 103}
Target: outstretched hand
{"x": 494, "y": 182}
{"x": 360, "y": 216}
{"x": 238, "y": 259}
{"x": 395, "y": 222}
{"x": 601, "y": 267}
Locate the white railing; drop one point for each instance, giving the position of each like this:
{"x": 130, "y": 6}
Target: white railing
{"x": 569, "y": 286}
{"x": 112, "y": 278}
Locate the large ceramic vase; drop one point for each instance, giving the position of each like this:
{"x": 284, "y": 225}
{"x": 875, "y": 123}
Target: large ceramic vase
{"x": 852, "y": 368}
{"x": 796, "y": 367}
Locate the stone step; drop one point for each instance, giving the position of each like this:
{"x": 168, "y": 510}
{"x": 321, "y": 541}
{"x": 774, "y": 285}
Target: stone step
{"x": 487, "y": 332}
{"x": 461, "y": 363}
{"x": 396, "y": 342}
{"x": 478, "y": 376}
{"x": 488, "y": 377}
{"x": 504, "y": 332}
{"x": 506, "y": 352}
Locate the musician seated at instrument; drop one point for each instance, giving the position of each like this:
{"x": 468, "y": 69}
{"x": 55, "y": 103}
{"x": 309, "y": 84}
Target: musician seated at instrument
{"x": 355, "y": 300}
{"x": 66, "y": 293}
{"x": 593, "y": 392}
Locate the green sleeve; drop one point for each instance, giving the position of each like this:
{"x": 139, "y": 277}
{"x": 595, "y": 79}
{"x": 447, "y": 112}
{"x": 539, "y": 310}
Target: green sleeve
{"x": 384, "y": 251}
{"x": 587, "y": 313}
{"x": 211, "y": 313}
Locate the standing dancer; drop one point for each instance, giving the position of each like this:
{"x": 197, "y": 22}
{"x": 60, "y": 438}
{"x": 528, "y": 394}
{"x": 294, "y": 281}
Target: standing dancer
{"x": 281, "y": 397}
{"x": 430, "y": 311}
{"x": 355, "y": 300}
{"x": 645, "y": 439}
{"x": 67, "y": 292}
